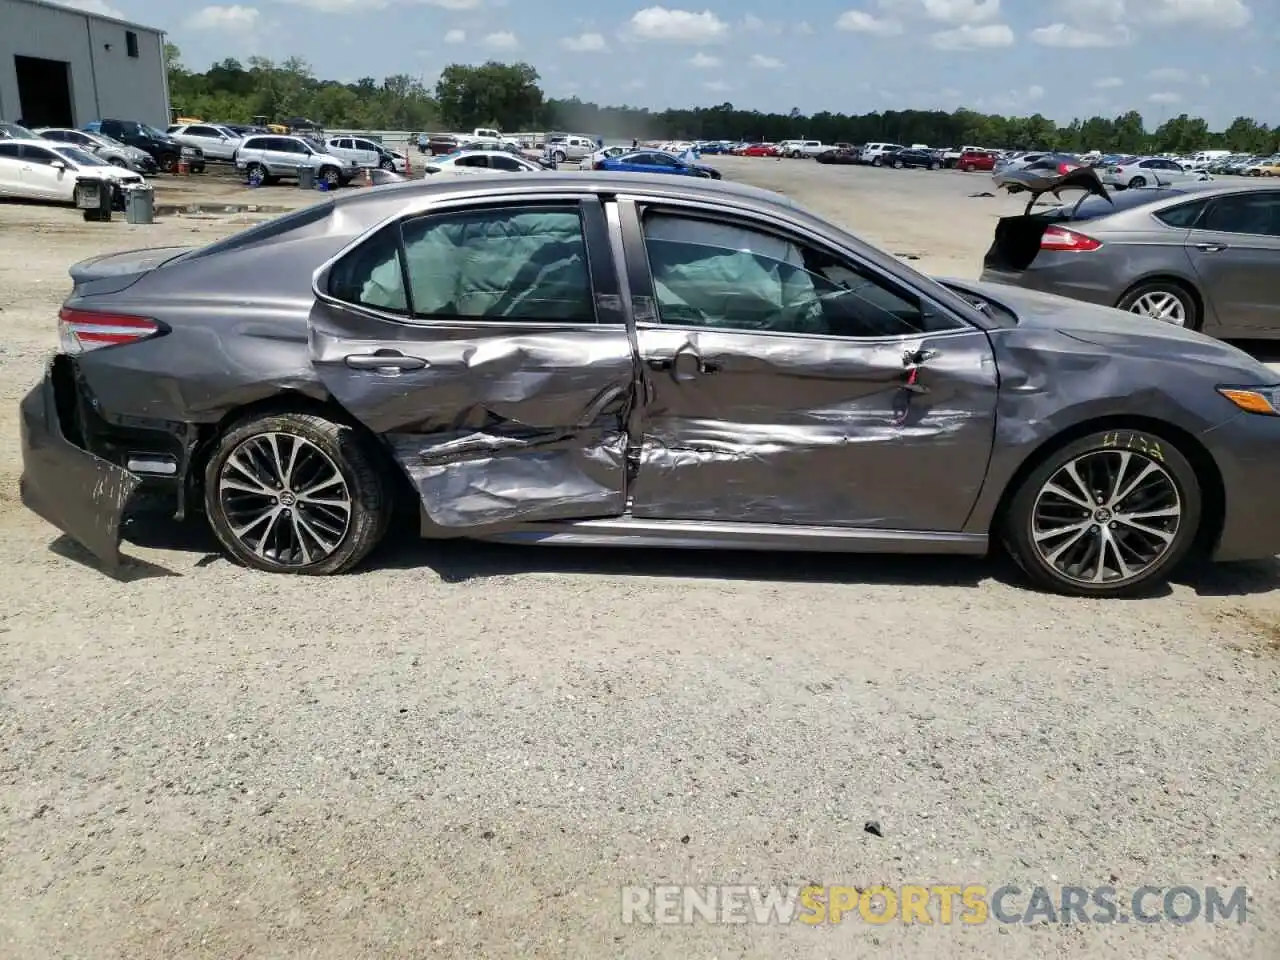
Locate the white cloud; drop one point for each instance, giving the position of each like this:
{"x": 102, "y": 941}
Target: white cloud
{"x": 717, "y": 86}
{"x": 1222, "y": 14}
{"x": 765, "y": 63}
{"x": 1165, "y": 98}
{"x": 224, "y": 18}
{"x": 1078, "y": 38}
{"x": 1205, "y": 81}
{"x": 946, "y": 11}
{"x": 703, "y": 62}
{"x": 455, "y": 4}
{"x": 1168, "y": 75}
{"x": 951, "y": 93}
{"x": 339, "y": 6}
{"x": 502, "y": 40}
{"x": 92, "y": 6}
{"x": 1035, "y": 92}
{"x": 1108, "y": 83}
{"x": 634, "y": 85}
{"x": 859, "y": 21}
{"x": 585, "y": 43}
{"x": 753, "y": 24}
{"x": 803, "y": 28}
{"x": 1258, "y": 71}
{"x": 456, "y": 36}
{"x": 969, "y": 37}
{"x": 680, "y": 26}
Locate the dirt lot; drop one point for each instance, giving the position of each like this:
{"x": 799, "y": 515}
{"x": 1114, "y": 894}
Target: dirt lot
{"x": 465, "y": 750}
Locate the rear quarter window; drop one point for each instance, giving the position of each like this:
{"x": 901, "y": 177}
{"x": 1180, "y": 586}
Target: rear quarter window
{"x": 1182, "y": 214}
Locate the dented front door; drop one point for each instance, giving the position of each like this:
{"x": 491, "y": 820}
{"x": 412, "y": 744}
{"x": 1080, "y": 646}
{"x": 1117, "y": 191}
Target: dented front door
{"x": 891, "y": 435}
{"x": 498, "y": 414}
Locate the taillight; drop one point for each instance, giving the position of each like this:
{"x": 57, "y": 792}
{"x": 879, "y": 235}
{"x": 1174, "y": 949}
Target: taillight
{"x": 81, "y": 330}
{"x": 1065, "y": 168}
{"x": 1060, "y": 238}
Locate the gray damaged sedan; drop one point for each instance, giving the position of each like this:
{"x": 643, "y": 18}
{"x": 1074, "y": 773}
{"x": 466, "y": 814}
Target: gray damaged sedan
{"x": 635, "y": 360}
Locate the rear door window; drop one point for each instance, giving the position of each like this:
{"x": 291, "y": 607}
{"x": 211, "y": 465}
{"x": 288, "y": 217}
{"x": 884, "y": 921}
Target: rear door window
{"x": 1257, "y": 214}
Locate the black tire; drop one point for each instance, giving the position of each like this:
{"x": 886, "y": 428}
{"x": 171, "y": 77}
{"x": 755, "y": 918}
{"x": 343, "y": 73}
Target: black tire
{"x": 559, "y": 156}
{"x": 967, "y": 168}
{"x": 117, "y": 162}
{"x": 897, "y": 164}
{"x": 876, "y": 162}
{"x": 1175, "y": 473}
{"x": 1137, "y": 183}
{"x": 332, "y": 176}
{"x": 168, "y": 163}
{"x": 933, "y": 166}
{"x": 368, "y": 492}
{"x": 256, "y": 171}
{"x": 388, "y": 164}
{"x": 1190, "y": 309}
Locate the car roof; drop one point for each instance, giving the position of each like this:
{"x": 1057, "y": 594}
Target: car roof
{"x": 394, "y": 195}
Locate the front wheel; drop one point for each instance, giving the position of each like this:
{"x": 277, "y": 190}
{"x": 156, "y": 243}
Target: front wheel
{"x": 876, "y": 162}
{"x": 967, "y": 168}
{"x": 559, "y": 156}
{"x": 295, "y": 493}
{"x": 897, "y": 164}
{"x": 1107, "y": 515}
{"x": 388, "y": 164}
{"x": 332, "y": 177}
{"x": 168, "y": 163}
{"x": 933, "y": 166}
{"x": 117, "y": 162}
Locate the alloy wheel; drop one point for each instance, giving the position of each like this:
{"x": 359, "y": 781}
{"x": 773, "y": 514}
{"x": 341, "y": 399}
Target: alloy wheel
{"x": 284, "y": 499}
{"x": 1161, "y": 306}
{"x": 1106, "y": 517}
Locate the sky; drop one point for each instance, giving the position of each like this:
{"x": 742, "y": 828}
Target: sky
{"x": 1210, "y": 58}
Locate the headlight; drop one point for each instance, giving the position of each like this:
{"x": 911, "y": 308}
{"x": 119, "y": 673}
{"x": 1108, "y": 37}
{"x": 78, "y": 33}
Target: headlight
{"x": 188, "y": 151}
{"x": 1263, "y": 400}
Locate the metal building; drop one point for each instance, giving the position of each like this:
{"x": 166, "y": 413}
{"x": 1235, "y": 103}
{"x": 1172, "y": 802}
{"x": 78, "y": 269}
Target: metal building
{"x": 64, "y": 67}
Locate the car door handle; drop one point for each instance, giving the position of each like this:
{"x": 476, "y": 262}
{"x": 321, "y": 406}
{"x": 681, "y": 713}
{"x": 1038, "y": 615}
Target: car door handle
{"x": 1211, "y": 247}
{"x": 384, "y": 360}
{"x": 669, "y": 363}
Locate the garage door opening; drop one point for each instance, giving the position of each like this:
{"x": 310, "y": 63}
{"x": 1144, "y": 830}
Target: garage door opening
{"x": 44, "y": 92}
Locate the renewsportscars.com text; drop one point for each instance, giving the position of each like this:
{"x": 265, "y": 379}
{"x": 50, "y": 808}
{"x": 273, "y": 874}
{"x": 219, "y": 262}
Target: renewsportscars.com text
{"x": 939, "y": 904}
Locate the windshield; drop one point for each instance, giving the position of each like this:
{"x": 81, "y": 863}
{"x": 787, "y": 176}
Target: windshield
{"x": 152, "y": 131}
{"x": 16, "y": 131}
{"x": 106, "y": 141}
{"x": 80, "y": 157}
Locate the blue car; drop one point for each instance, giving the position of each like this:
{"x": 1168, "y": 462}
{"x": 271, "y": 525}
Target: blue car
{"x": 655, "y": 161}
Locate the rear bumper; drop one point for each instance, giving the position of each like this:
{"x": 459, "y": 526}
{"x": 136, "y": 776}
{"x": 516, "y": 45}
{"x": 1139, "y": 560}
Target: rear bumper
{"x": 81, "y": 494}
{"x": 1064, "y": 275}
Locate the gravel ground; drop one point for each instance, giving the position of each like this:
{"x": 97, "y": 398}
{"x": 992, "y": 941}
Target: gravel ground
{"x": 466, "y": 749}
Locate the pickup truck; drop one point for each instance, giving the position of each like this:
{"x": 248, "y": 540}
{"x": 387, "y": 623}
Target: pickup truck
{"x": 804, "y": 148}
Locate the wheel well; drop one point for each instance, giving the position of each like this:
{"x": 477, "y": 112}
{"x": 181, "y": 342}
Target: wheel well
{"x": 294, "y": 402}
{"x": 1179, "y": 282}
{"x": 1213, "y": 509}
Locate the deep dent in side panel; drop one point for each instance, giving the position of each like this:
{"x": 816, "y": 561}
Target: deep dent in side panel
{"x": 501, "y": 429}
{"x": 821, "y": 432}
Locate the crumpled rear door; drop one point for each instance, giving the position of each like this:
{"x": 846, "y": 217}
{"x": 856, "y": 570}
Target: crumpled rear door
{"x": 497, "y": 419}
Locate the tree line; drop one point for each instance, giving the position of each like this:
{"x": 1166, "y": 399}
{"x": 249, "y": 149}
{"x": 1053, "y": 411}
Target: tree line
{"x": 508, "y": 96}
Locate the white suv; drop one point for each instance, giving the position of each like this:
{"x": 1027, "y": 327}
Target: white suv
{"x": 267, "y": 158}
{"x": 217, "y": 142}
{"x": 873, "y": 153}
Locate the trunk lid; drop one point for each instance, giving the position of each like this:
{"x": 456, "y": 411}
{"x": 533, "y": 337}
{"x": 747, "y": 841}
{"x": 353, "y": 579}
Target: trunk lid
{"x": 1017, "y": 239}
{"x": 114, "y": 272}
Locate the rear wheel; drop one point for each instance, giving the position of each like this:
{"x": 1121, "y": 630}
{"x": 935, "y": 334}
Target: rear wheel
{"x": 1138, "y": 183}
{"x": 558, "y": 156}
{"x": 933, "y": 166}
{"x": 388, "y": 164}
{"x": 1107, "y": 515}
{"x": 1163, "y": 300}
{"x": 331, "y": 176}
{"x": 117, "y": 162}
{"x": 967, "y": 168}
{"x": 897, "y": 164}
{"x": 295, "y": 493}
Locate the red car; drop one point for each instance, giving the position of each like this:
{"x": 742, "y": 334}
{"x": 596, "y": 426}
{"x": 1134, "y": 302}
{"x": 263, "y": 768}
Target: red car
{"x": 976, "y": 160}
{"x": 761, "y": 150}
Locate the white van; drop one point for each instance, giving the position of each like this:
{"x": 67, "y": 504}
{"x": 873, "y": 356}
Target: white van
{"x": 873, "y": 152}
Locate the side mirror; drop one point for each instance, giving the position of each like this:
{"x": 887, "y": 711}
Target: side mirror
{"x": 58, "y": 165}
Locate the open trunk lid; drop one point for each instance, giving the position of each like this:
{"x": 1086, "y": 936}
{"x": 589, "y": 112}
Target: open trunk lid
{"x": 1017, "y": 239}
